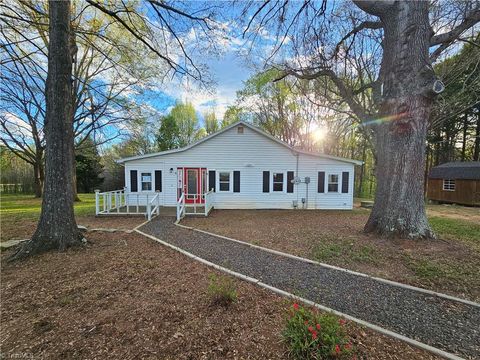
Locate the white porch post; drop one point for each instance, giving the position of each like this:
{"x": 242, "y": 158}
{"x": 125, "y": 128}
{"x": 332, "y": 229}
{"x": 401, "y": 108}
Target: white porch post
{"x": 206, "y": 203}
{"x": 97, "y": 202}
{"x": 149, "y": 210}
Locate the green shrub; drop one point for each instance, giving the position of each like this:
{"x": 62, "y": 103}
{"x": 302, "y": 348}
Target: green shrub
{"x": 222, "y": 290}
{"x": 312, "y": 335}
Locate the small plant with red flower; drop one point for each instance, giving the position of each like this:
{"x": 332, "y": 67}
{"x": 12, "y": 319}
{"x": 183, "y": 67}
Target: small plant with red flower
{"x": 310, "y": 334}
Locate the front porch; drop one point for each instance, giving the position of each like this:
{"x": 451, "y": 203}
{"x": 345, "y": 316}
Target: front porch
{"x": 122, "y": 202}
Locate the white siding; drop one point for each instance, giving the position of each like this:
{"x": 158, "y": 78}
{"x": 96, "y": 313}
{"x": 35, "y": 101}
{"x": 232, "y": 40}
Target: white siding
{"x": 251, "y": 153}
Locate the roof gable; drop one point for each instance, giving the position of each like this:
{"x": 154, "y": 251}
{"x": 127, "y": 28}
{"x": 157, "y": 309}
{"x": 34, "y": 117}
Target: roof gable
{"x": 222, "y": 131}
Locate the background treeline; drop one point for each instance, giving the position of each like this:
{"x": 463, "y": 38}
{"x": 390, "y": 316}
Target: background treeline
{"x": 305, "y": 114}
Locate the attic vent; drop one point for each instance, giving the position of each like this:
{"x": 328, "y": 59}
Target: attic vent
{"x": 240, "y": 130}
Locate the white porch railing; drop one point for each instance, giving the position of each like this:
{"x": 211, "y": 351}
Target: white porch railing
{"x": 155, "y": 202}
{"x": 121, "y": 202}
{"x": 196, "y": 206}
{"x": 109, "y": 201}
{"x": 209, "y": 202}
{"x": 181, "y": 207}
{"x": 201, "y": 204}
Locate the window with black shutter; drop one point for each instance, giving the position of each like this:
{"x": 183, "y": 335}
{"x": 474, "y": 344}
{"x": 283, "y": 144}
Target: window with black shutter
{"x": 236, "y": 181}
{"x": 224, "y": 180}
{"x": 266, "y": 181}
{"x": 333, "y": 183}
{"x": 158, "y": 180}
{"x": 321, "y": 182}
{"x": 277, "y": 181}
{"x": 146, "y": 181}
{"x": 345, "y": 175}
{"x": 211, "y": 180}
{"x": 290, "y": 177}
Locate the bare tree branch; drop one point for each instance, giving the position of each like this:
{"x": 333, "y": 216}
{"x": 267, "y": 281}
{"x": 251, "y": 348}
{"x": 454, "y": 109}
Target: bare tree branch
{"x": 364, "y": 25}
{"x": 472, "y": 18}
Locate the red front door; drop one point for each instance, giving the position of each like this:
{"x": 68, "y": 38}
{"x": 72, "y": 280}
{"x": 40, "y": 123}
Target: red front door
{"x": 194, "y": 185}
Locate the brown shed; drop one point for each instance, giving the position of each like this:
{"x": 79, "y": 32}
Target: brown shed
{"x": 455, "y": 182}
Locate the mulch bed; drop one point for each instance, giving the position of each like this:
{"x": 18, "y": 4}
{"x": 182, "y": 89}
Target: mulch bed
{"x": 125, "y": 296}
{"x": 298, "y": 232}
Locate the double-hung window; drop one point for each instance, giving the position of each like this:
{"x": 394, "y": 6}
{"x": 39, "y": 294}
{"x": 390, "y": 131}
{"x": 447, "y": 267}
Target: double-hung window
{"x": 146, "y": 181}
{"x": 224, "y": 180}
{"x": 448, "y": 185}
{"x": 277, "y": 181}
{"x": 333, "y": 183}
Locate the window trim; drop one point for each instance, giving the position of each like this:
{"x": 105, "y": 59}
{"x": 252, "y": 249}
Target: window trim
{"x": 284, "y": 187}
{"x": 142, "y": 182}
{"x": 230, "y": 181}
{"x": 328, "y": 183}
{"x": 449, "y": 186}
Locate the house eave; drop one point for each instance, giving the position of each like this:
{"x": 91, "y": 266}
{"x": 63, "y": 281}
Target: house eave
{"x": 250, "y": 126}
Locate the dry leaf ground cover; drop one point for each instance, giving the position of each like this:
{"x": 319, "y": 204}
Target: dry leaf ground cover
{"x": 449, "y": 264}
{"x": 124, "y": 296}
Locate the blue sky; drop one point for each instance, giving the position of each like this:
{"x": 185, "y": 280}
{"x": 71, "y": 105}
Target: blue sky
{"x": 228, "y": 72}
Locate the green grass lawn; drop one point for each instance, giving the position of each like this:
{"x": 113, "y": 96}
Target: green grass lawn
{"x": 28, "y": 207}
{"x": 456, "y": 229}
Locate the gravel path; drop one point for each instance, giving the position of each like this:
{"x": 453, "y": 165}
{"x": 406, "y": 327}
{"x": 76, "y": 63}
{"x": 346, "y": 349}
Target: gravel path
{"x": 446, "y": 324}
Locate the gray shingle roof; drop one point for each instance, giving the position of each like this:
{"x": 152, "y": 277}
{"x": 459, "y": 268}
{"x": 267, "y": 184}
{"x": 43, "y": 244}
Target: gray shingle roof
{"x": 456, "y": 170}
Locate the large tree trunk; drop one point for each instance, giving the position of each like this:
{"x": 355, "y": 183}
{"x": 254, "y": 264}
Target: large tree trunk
{"x": 464, "y": 135}
{"x": 476, "y": 149}
{"x": 38, "y": 180}
{"x": 74, "y": 179}
{"x": 362, "y": 170}
{"x": 399, "y": 208}
{"x": 57, "y": 228}
{"x": 39, "y": 173}
{"x": 404, "y": 101}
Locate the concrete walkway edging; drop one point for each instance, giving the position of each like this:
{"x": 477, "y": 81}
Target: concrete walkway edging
{"x": 385, "y": 281}
{"x": 255, "y": 281}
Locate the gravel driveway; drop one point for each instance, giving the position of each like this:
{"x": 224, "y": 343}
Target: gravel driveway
{"x": 442, "y": 323}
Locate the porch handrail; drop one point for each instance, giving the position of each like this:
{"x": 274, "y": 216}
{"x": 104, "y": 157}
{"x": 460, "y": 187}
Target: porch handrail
{"x": 208, "y": 201}
{"x": 155, "y": 201}
{"x": 112, "y": 201}
{"x": 181, "y": 207}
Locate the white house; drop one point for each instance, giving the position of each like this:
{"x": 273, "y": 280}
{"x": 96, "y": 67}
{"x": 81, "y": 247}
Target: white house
{"x": 240, "y": 167}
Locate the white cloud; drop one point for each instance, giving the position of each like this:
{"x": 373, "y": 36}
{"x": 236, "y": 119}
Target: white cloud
{"x": 18, "y": 127}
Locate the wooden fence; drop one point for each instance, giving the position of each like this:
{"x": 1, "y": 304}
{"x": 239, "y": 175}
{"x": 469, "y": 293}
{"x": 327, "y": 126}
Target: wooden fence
{"x": 16, "y": 189}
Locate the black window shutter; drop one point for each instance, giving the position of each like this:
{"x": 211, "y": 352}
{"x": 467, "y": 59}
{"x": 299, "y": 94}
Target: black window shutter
{"x": 236, "y": 181}
{"x": 158, "y": 180}
{"x": 266, "y": 181}
{"x": 345, "y": 182}
{"x": 290, "y": 176}
{"x": 211, "y": 180}
{"x": 133, "y": 181}
{"x": 321, "y": 181}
